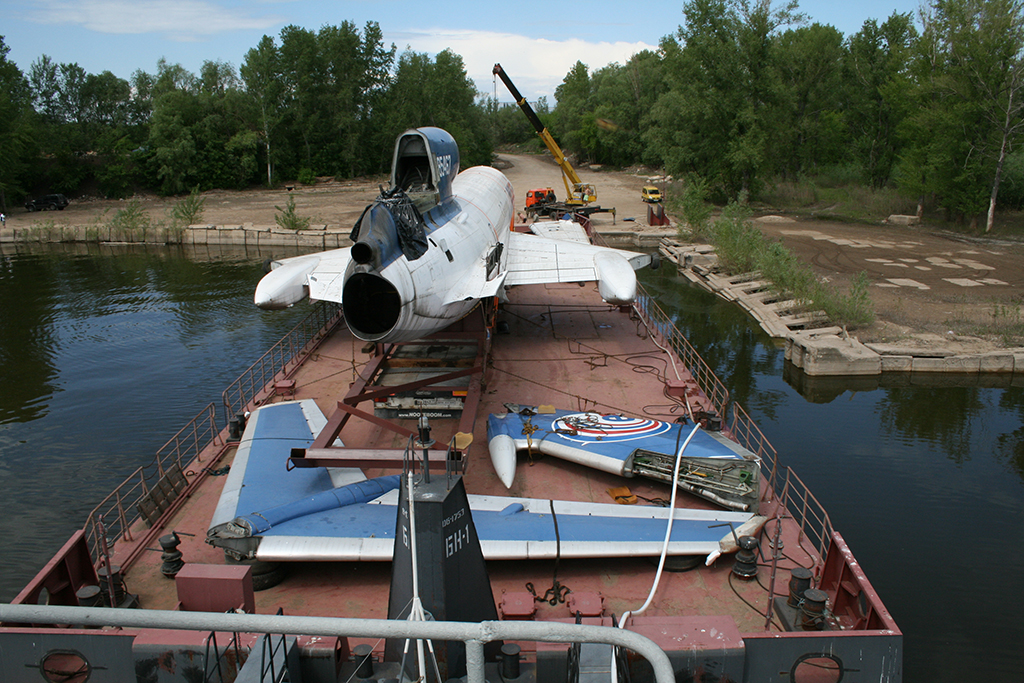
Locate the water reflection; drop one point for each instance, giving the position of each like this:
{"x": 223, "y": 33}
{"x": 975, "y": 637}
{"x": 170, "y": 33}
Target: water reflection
{"x": 26, "y": 348}
{"x": 104, "y": 355}
{"x": 923, "y": 475}
{"x": 1010, "y": 445}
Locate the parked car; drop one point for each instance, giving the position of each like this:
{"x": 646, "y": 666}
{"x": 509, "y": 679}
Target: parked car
{"x": 50, "y": 201}
{"x": 650, "y": 194}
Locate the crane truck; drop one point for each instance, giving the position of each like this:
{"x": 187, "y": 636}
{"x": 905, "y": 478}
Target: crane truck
{"x": 579, "y": 195}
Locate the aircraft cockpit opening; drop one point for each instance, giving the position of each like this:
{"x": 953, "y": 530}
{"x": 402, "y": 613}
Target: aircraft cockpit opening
{"x": 413, "y": 173}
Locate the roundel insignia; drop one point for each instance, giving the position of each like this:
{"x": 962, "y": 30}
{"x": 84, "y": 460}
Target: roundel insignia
{"x": 591, "y": 427}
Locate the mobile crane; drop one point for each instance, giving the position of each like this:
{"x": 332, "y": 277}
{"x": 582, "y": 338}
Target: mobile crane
{"x": 579, "y": 195}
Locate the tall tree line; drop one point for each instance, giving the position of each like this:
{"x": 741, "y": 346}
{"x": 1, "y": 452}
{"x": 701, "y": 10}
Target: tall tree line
{"x": 301, "y": 105}
{"x": 745, "y": 92}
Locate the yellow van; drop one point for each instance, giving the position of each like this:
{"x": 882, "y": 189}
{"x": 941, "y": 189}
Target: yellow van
{"x": 650, "y": 194}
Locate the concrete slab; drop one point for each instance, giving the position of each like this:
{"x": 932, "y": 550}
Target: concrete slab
{"x": 997, "y": 362}
{"x": 950, "y": 364}
{"x": 837, "y": 356}
{"x": 896, "y": 363}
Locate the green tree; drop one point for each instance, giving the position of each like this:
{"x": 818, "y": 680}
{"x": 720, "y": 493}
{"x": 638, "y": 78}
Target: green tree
{"x": 724, "y": 105}
{"x": 437, "y": 92}
{"x": 811, "y": 130}
{"x": 331, "y": 82}
{"x": 16, "y": 128}
{"x": 970, "y": 75}
{"x": 260, "y": 72}
{"x": 878, "y": 87}
{"x": 198, "y": 132}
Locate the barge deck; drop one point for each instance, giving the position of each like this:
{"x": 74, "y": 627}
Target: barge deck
{"x": 555, "y": 345}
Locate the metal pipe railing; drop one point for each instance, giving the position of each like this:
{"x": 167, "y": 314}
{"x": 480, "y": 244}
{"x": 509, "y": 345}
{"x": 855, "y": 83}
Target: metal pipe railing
{"x": 473, "y": 634}
{"x": 274, "y": 364}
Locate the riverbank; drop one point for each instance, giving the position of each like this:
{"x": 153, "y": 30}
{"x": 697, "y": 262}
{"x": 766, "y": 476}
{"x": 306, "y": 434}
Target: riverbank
{"x": 935, "y": 294}
{"x": 820, "y": 349}
{"x": 245, "y": 235}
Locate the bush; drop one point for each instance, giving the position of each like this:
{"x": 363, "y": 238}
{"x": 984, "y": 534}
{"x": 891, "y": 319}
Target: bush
{"x": 694, "y": 206}
{"x": 288, "y": 219}
{"x": 130, "y": 219}
{"x": 306, "y": 177}
{"x": 189, "y": 210}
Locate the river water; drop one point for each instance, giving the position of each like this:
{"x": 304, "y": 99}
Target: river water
{"x": 106, "y": 352}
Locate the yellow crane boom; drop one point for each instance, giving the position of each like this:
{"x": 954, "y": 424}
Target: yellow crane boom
{"x": 578, "y": 192}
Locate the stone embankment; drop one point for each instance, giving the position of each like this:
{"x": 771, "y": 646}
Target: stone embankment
{"x": 247, "y": 235}
{"x": 819, "y": 349}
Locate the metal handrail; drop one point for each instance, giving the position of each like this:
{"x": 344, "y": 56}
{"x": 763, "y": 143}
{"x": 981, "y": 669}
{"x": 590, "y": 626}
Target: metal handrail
{"x": 120, "y": 508}
{"x": 474, "y": 635}
{"x": 707, "y": 381}
{"x": 747, "y": 434}
{"x": 282, "y": 357}
{"x": 207, "y": 670}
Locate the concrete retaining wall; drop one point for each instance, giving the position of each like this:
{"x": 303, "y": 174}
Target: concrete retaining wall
{"x": 239, "y": 235}
{"x": 837, "y": 355}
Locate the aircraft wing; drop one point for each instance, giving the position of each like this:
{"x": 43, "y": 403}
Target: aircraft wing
{"x": 319, "y": 276}
{"x": 534, "y": 259}
{"x": 327, "y": 279}
{"x": 338, "y": 514}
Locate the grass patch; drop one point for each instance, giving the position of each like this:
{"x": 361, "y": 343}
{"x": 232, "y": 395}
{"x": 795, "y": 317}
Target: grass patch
{"x": 1004, "y": 320}
{"x": 742, "y": 248}
{"x": 828, "y": 198}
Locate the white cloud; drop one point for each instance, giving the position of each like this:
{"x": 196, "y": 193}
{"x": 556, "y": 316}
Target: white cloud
{"x": 536, "y": 65}
{"x": 179, "y": 20}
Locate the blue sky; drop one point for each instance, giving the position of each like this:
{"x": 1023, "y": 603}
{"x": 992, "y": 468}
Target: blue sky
{"x": 536, "y": 42}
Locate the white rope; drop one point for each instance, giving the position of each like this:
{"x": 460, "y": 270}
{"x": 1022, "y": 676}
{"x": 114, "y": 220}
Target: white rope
{"x": 664, "y": 546}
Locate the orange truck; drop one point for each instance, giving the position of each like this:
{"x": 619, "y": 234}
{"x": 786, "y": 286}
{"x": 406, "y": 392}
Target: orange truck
{"x": 543, "y": 195}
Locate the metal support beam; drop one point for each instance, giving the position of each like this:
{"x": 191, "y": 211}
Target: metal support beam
{"x": 388, "y": 458}
{"x": 385, "y": 391}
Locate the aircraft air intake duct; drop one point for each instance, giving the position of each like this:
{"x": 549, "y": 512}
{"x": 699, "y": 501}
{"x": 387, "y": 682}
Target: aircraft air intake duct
{"x": 364, "y": 253}
{"x": 371, "y": 304}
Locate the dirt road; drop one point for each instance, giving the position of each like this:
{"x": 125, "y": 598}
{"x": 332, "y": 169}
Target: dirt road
{"x": 923, "y": 282}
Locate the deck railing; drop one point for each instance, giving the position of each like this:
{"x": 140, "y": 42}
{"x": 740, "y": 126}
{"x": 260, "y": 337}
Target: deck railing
{"x": 747, "y": 434}
{"x": 663, "y": 325}
{"x": 284, "y": 356}
{"x": 814, "y": 522}
{"x": 148, "y": 490}
{"x": 793, "y": 494}
{"x": 784, "y": 484}
{"x": 474, "y": 635}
